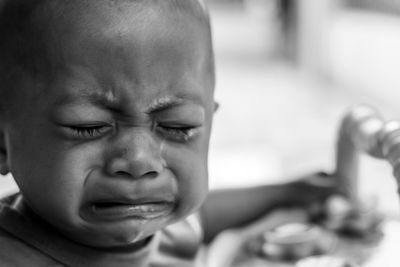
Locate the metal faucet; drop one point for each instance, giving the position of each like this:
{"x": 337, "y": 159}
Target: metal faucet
{"x": 363, "y": 130}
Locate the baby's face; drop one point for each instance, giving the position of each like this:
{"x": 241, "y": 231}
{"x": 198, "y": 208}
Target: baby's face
{"x": 114, "y": 146}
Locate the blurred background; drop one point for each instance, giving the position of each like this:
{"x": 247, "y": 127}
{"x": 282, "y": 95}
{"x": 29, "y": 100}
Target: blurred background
{"x": 287, "y": 70}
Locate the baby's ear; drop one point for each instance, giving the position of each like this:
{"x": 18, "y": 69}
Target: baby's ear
{"x": 4, "y": 168}
{"x": 216, "y": 106}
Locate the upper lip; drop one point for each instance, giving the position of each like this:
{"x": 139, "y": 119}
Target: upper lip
{"x": 131, "y": 201}
{"x": 130, "y": 194}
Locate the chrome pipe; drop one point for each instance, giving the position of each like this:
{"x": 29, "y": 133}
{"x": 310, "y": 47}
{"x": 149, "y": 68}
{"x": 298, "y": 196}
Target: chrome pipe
{"x": 363, "y": 130}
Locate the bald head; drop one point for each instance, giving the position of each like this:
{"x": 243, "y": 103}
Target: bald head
{"x": 33, "y": 30}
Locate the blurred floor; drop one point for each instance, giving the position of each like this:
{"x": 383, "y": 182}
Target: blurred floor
{"x": 276, "y": 122}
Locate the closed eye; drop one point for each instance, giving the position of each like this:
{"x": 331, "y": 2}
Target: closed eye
{"x": 87, "y": 131}
{"x": 178, "y": 133}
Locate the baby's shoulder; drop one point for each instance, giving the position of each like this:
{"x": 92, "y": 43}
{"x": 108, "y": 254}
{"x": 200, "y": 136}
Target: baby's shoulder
{"x": 15, "y": 253}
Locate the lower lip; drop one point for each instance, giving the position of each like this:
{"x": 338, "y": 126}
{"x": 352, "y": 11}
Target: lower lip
{"x": 146, "y": 211}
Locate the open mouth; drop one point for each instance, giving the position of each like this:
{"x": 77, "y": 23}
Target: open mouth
{"x": 114, "y": 210}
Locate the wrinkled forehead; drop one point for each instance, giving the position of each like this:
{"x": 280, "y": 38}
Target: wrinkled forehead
{"x": 55, "y": 31}
{"x": 125, "y": 30}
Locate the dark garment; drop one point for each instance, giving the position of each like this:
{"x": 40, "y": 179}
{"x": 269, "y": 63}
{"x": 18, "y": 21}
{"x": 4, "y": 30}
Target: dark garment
{"x": 27, "y": 240}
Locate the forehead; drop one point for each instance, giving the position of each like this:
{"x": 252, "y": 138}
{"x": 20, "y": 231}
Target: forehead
{"x": 135, "y": 44}
{"x": 122, "y": 25}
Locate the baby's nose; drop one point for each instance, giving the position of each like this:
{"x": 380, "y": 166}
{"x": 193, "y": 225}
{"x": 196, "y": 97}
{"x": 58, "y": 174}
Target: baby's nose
{"x": 138, "y": 155}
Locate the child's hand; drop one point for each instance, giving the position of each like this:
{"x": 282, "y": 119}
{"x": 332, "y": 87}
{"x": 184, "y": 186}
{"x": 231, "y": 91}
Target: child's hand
{"x": 235, "y": 208}
{"x": 311, "y": 189}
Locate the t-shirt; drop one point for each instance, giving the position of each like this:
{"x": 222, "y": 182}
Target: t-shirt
{"x": 27, "y": 240}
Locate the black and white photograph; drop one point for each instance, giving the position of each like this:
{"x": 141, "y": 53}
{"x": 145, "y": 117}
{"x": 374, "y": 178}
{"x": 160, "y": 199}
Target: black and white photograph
{"x": 199, "y": 133}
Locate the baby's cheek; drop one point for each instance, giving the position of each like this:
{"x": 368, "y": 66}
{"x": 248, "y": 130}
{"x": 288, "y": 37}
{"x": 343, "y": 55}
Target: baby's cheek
{"x": 189, "y": 168}
{"x": 71, "y": 168}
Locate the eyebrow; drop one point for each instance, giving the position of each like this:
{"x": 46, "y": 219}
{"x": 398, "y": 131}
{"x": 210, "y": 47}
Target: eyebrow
{"x": 110, "y": 101}
{"x": 163, "y": 103}
{"x": 106, "y": 99}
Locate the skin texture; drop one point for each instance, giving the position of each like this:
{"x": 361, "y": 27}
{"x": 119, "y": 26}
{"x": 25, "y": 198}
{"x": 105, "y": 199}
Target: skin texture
{"x": 108, "y": 137}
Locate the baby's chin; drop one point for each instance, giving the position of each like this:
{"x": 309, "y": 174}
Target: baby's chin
{"x": 120, "y": 234}
{"x": 127, "y": 240}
